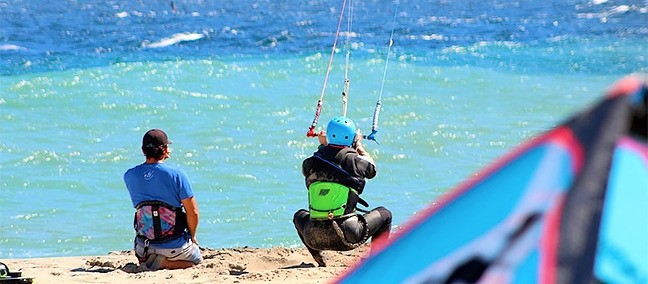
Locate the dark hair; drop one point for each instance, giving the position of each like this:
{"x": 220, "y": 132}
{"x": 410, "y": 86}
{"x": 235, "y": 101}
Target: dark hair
{"x": 156, "y": 152}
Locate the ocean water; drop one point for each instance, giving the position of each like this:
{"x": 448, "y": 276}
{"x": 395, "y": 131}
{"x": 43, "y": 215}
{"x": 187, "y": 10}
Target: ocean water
{"x": 235, "y": 85}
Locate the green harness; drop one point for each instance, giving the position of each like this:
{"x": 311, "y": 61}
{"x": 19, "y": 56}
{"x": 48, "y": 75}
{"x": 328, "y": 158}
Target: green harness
{"x": 328, "y": 200}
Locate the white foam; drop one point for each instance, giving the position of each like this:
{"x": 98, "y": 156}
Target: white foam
{"x": 11, "y": 47}
{"x": 176, "y": 38}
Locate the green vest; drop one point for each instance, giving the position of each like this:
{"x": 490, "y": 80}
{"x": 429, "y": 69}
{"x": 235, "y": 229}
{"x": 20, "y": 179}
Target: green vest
{"x": 328, "y": 200}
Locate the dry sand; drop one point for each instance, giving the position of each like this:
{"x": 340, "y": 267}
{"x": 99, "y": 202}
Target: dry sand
{"x": 231, "y": 265}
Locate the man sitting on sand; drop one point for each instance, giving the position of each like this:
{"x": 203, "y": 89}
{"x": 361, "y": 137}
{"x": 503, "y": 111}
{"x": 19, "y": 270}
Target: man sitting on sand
{"x": 335, "y": 177}
{"x": 166, "y": 235}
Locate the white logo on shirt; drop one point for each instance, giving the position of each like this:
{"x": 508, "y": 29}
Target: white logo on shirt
{"x": 149, "y": 175}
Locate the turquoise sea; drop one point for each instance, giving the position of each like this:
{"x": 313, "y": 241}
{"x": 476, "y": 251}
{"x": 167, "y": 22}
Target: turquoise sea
{"x": 235, "y": 85}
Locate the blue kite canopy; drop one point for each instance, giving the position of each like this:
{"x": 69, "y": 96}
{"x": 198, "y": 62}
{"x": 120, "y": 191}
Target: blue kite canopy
{"x": 572, "y": 207}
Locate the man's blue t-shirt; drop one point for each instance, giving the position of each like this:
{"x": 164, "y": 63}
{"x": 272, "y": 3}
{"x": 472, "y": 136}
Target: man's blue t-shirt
{"x": 159, "y": 182}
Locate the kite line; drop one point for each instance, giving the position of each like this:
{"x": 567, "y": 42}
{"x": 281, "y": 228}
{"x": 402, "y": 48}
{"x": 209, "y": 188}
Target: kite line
{"x": 376, "y": 114}
{"x": 318, "y": 111}
{"x": 345, "y": 92}
{"x": 347, "y": 82}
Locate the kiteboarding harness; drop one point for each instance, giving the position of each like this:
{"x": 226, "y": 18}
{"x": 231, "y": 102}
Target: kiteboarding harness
{"x": 157, "y": 222}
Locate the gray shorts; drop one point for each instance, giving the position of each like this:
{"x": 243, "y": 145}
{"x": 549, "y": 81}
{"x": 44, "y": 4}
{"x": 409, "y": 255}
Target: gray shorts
{"x": 189, "y": 251}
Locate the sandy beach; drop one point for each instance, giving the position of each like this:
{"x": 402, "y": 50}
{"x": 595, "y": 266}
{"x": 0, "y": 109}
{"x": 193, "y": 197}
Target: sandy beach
{"x": 228, "y": 265}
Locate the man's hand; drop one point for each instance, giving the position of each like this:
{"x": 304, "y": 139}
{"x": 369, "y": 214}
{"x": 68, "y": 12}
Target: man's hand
{"x": 356, "y": 140}
{"x": 360, "y": 149}
{"x": 321, "y": 136}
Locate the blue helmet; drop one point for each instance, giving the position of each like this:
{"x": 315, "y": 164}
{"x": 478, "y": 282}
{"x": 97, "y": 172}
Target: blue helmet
{"x": 341, "y": 131}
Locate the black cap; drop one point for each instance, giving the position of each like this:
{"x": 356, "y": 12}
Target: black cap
{"x": 155, "y": 138}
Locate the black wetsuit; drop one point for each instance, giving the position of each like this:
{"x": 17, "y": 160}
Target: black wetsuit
{"x": 357, "y": 228}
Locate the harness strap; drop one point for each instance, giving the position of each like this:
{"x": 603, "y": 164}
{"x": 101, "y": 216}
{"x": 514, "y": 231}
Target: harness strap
{"x": 335, "y": 165}
{"x": 157, "y": 226}
{"x": 358, "y": 183}
{"x": 329, "y": 210}
{"x": 142, "y": 258}
{"x": 362, "y": 202}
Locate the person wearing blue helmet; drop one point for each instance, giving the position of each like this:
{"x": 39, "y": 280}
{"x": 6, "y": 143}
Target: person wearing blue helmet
{"x": 335, "y": 177}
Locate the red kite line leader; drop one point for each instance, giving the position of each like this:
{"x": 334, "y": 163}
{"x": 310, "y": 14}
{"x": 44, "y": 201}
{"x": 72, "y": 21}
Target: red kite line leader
{"x": 311, "y": 129}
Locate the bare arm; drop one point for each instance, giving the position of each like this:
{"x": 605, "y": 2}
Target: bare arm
{"x": 362, "y": 152}
{"x": 360, "y": 149}
{"x": 193, "y": 216}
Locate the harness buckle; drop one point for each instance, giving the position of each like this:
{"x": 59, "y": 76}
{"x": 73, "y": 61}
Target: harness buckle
{"x": 142, "y": 258}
